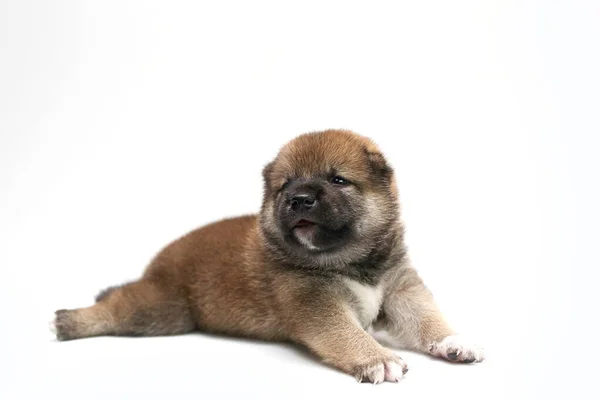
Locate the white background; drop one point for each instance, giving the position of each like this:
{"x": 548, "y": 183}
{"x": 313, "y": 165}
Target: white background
{"x": 124, "y": 124}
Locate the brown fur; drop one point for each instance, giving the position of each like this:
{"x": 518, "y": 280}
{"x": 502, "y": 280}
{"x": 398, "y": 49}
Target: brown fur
{"x": 238, "y": 277}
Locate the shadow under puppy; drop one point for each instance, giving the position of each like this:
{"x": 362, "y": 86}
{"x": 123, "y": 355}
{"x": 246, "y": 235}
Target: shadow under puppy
{"x": 323, "y": 261}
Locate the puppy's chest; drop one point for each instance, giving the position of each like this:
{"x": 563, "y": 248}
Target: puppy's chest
{"x": 365, "y": 302}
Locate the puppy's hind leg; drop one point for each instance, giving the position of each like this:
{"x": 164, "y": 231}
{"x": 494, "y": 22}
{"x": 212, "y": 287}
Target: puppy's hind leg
{"x": 142, "y": 308}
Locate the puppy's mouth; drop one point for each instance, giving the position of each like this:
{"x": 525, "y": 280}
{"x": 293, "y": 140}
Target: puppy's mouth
{"x": 305, "y": 232}
{"x": 304, "y": 223}
{"x": 316, "y": 235}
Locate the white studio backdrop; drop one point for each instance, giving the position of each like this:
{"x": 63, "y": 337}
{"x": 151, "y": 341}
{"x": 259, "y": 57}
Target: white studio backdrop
{"x": 124, "y": 124}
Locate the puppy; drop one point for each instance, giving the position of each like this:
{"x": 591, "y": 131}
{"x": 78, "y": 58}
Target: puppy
{"x": 322, "y": 262}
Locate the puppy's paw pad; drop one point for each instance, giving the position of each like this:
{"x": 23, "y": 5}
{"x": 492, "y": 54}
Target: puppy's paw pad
{"x": 381, "y": 370}
{"x": 456, "y": 348}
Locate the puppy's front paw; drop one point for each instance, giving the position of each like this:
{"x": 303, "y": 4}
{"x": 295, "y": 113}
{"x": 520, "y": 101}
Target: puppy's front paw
{"x": 390, "y": 369}
{"x": 456, "y": 348}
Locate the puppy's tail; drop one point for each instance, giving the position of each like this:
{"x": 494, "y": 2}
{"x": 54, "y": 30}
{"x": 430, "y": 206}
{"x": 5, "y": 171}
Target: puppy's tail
{"x": 106, "y": 292}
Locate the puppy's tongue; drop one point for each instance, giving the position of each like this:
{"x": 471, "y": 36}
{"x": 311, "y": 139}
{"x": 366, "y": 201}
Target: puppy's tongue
{"x": 305, "y": 232}
{"x": 303, "y": 223}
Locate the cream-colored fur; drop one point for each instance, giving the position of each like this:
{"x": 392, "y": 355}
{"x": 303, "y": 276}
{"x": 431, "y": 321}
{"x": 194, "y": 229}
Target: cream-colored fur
{"x": 366, "y": 301}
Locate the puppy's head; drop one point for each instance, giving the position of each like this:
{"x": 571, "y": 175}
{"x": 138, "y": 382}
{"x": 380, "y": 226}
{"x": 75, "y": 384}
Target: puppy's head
{"x": 329, "y": 196}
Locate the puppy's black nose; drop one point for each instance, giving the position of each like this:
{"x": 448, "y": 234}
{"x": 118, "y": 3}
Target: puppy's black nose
{"x": 303, "y": 202}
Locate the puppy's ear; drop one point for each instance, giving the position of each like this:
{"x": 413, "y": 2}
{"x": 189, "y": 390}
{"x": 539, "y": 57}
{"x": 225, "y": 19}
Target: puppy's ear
{"x": 266, "y": 172}
{"x": 379, "y": 166}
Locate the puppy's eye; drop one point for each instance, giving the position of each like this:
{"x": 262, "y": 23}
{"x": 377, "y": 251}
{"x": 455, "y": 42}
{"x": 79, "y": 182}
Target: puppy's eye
{"x": 284, "y": 185}
{"x": 338, "y": 180}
